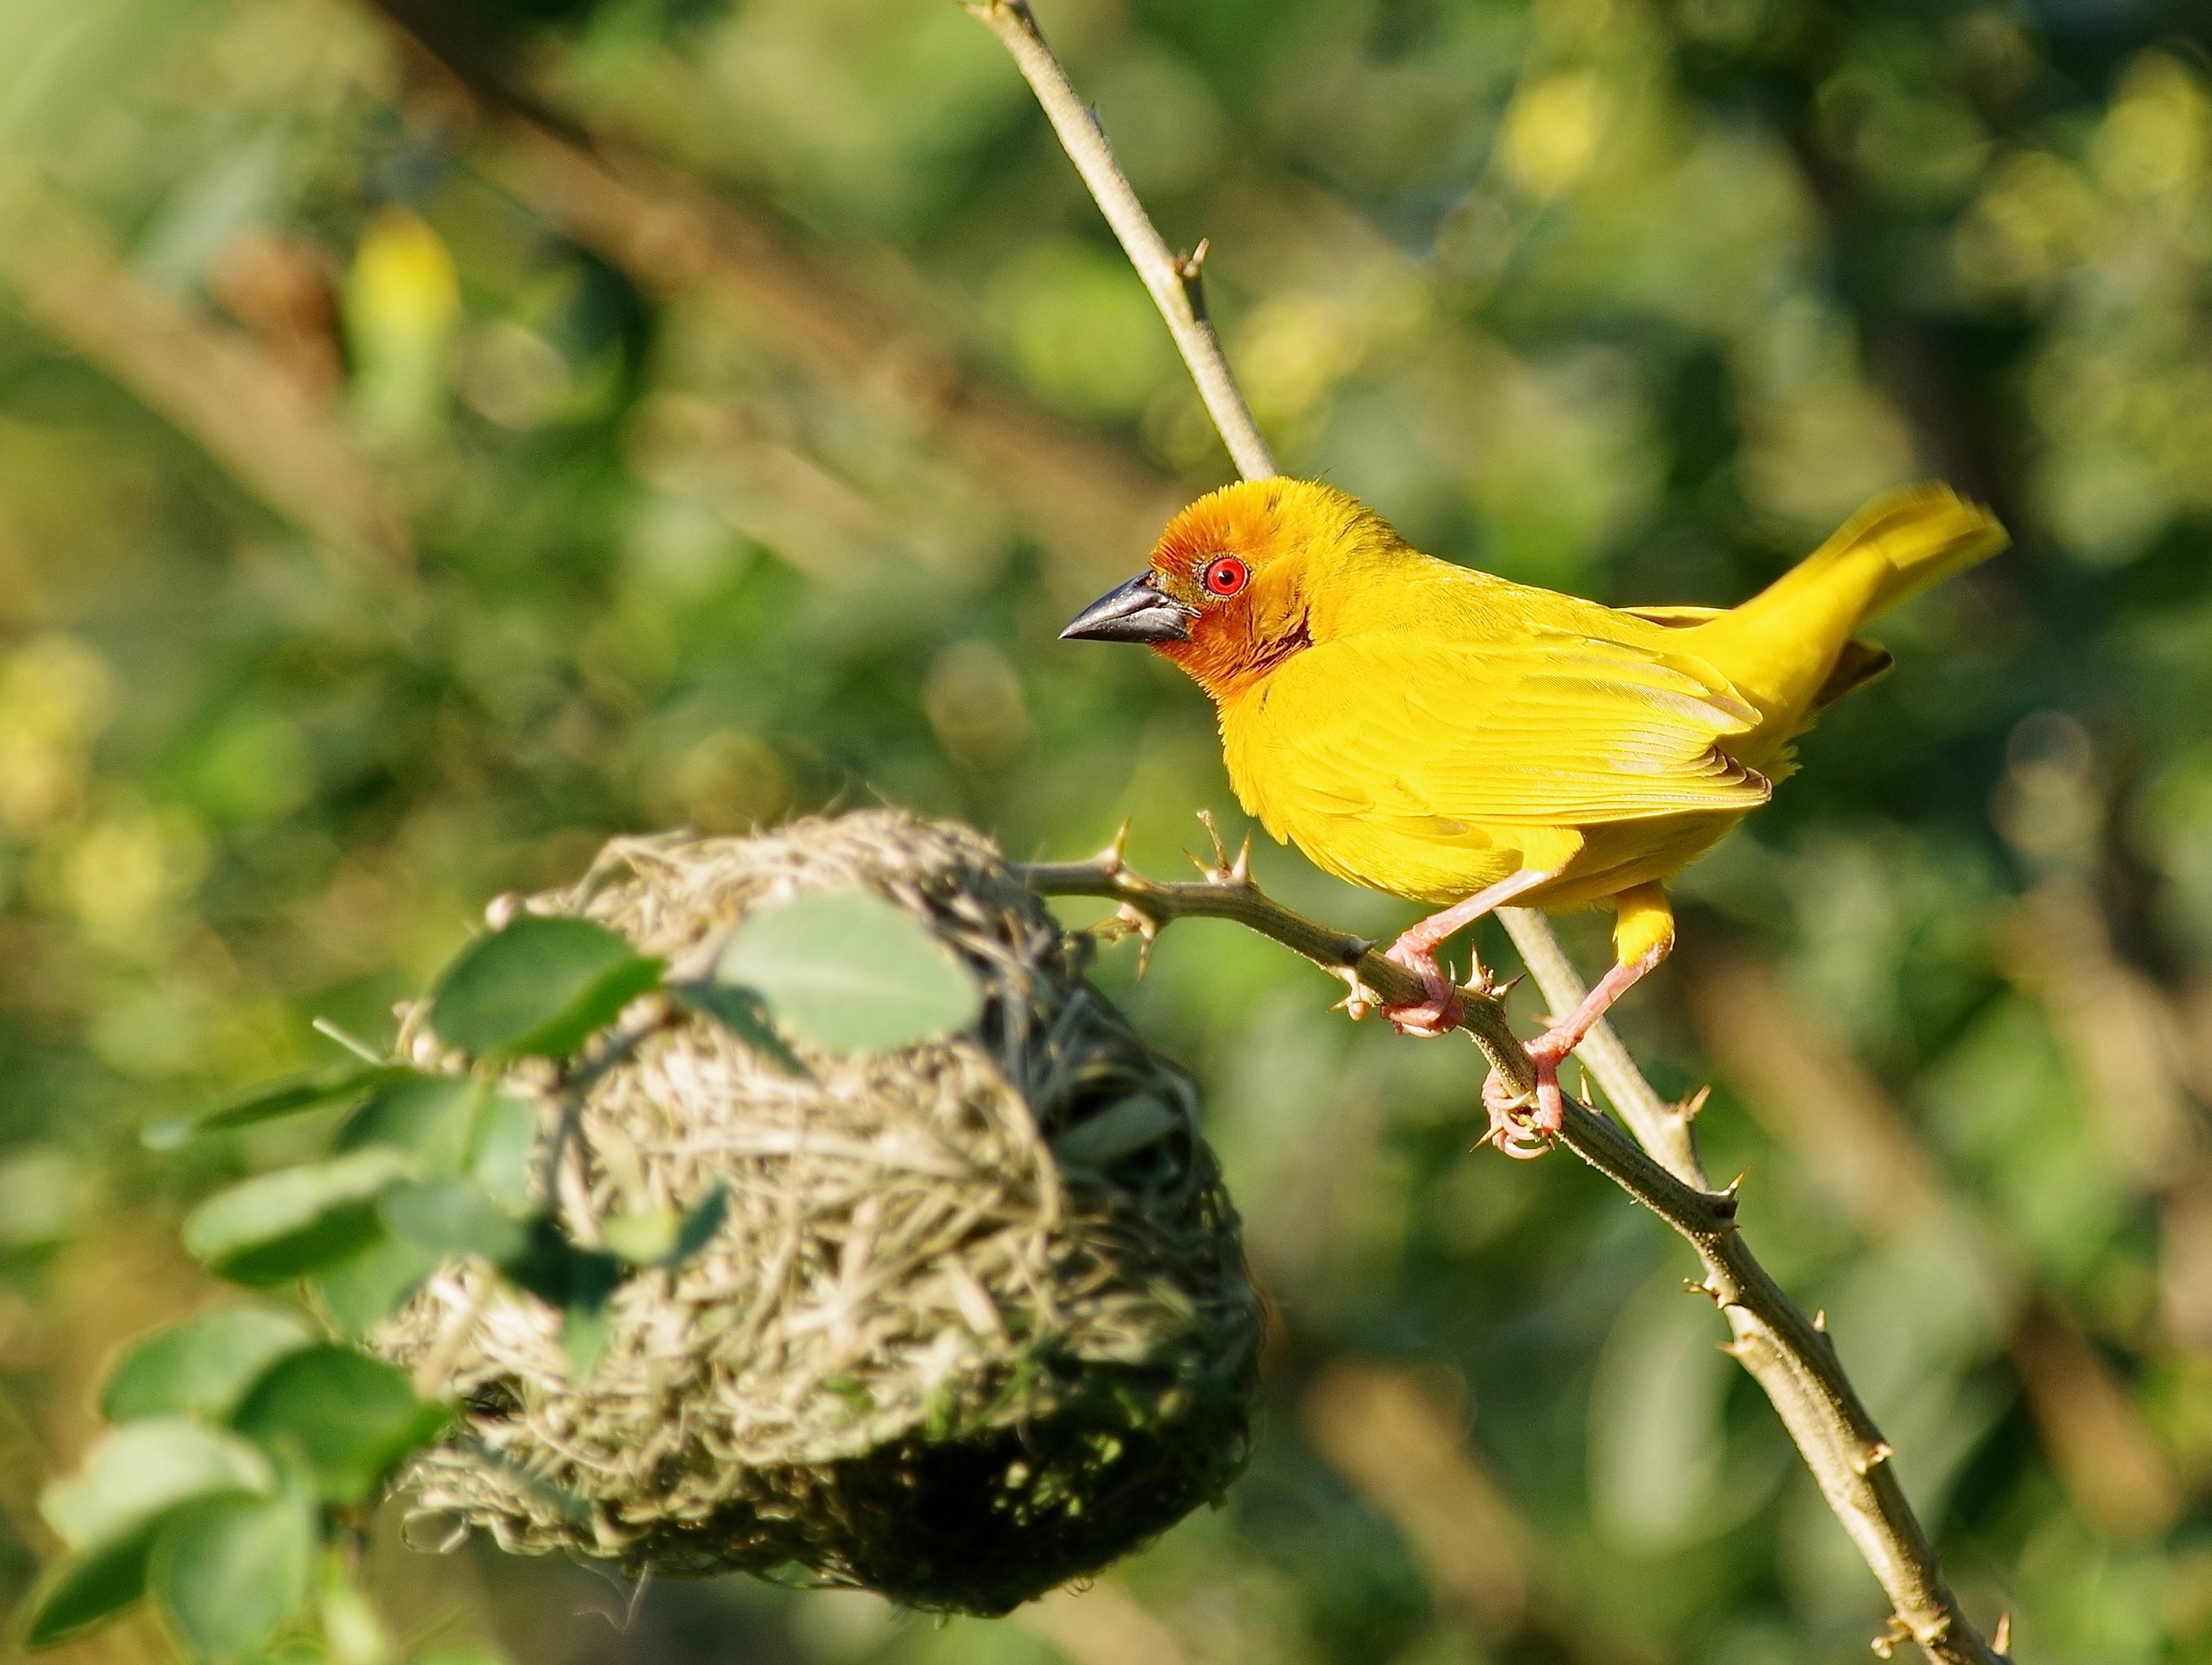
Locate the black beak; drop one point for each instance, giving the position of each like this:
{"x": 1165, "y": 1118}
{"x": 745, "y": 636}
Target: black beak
{"x": 1135, "y": 611}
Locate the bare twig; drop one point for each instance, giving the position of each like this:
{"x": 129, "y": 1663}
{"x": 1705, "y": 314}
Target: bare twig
{"x": 1176, "y": 281}
{"x": 1227, "y": 892}
{"x": 1789, "y": 1355}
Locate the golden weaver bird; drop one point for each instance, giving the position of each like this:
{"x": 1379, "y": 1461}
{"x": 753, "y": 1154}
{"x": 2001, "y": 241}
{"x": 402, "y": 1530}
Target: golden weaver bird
{"x": 1448, "y": 736}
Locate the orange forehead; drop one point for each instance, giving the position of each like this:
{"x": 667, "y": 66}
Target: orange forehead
{"x": 1235, "y": 520}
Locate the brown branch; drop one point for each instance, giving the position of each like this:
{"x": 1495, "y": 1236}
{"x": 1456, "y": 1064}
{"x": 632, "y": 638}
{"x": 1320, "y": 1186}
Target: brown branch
{"x": 1790, "y": 1357}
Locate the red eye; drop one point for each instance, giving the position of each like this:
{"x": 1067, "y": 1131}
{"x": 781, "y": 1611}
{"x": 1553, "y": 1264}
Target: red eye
{"x": 1227, "y": 576}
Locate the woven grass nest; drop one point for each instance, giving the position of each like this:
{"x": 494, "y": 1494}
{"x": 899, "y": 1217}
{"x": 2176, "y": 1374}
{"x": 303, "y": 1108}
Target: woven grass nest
{"x": 926, "y": 1353}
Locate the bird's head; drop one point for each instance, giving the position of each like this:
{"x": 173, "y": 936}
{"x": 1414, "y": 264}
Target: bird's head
{"x": 1241, "y": 579}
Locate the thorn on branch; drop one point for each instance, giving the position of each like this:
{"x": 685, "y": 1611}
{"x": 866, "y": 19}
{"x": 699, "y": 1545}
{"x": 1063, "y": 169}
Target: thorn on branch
{"x": 1872, "y": 1458}
{"x": 1113, "y": 860}
{"x": 1224, "y": 872}
{"x": 1129, "y": 920}
{"x": 1190, "y": 272}
{"x": 1820, "y": 1319}
{"x": 1358, "y": 999}
{"x": 1213, "y": 834}
{"x": 1723, "y": 1203}
{"x": 1691, "y": 1108}
{"x": 2001, "y": 1638}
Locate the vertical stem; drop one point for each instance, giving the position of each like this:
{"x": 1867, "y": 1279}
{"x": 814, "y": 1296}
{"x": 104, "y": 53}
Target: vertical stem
{"x": 1177, "y": 281}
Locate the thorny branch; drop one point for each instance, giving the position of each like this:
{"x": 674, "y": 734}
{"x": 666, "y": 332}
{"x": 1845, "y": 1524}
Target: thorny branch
{"x": 1790, "y": 1355}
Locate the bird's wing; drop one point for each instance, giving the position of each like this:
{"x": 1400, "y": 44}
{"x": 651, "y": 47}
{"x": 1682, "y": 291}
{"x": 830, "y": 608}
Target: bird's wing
{"x": 1544, "y": 726}
{"x": 1674, "y": 617}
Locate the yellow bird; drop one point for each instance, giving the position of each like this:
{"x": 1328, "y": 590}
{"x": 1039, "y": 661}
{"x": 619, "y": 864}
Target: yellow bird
{"x": 1444, "y": 735}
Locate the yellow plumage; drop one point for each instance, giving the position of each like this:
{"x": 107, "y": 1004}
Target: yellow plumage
{"x": 1448, "y": 727}
{"x": 1439, "y": 732}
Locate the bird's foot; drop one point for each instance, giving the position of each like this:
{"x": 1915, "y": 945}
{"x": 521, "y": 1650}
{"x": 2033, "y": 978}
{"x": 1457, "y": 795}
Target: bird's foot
{"x": 1438, "y": 1012}
{"x": 1525, "y": 1126}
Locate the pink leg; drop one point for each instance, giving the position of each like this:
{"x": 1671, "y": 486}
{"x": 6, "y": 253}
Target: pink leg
{"x": 1416, "y": 947}
{"x": 1547, "y": 1051}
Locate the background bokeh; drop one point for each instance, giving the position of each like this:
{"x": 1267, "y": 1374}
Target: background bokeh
{"x": 434, "y": 440}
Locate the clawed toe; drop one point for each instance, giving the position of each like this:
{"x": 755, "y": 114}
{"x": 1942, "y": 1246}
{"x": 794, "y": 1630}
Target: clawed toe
{"x": 1525, "y": 1126}
{"x": 1519, "y": 1128}
{"x": 1439, "y": 1015}
{"x": 1438, "y": 1012}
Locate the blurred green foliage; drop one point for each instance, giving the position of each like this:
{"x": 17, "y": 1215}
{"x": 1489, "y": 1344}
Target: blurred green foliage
{"x": 707, "y": 521}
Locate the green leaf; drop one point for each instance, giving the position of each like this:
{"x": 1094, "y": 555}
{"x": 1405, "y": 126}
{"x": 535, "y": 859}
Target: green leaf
{"x": 502, "y": 1145}
{"x": 427, "y": 1115}
{"x": 356, "y": 1419}
{"x": 353, "y": 1631}
{"x": 644, "y": 1238}
{"x": 1121, "y": 1129}
{"x": 144, "y": 1468}
{"x": 271, "y": 1228}
{"x": 453, "y": 1216}
{"x": 851, "y": 971}
{"x": 585, "y": 1331}
{"x": 283, "y": 1098}
{"x": 202, "y": 1365}
{"x": 230, "y": 1573}
{"x": 662, "y": 1237}
{"x": 86, "y": 1590}
{"x": 578, "y": 1282}
{"x": 371, "y": 1284}
{"x": 559, "y": 1273}
{"x": 538, "y": 988}
{"x": 744, "y": 1013}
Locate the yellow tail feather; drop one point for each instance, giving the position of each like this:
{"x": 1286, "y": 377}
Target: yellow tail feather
{"x": 1922, "y": 535}
{"x": 1784, "y": 648}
